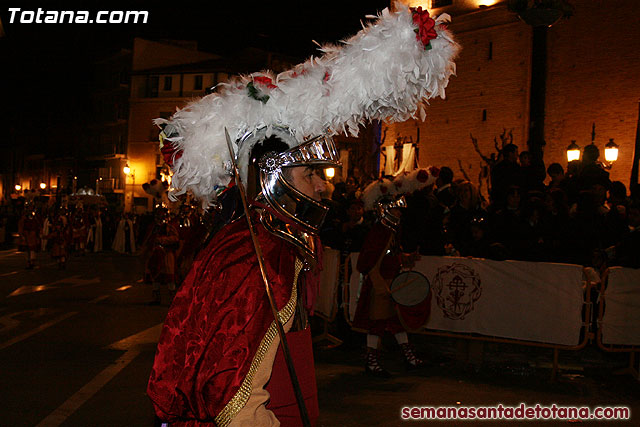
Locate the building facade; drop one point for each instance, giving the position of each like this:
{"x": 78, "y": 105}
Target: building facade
{"x": 591, "y": 78}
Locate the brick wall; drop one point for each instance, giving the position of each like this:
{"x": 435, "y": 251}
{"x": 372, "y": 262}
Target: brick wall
{"x": 593, "y": 76}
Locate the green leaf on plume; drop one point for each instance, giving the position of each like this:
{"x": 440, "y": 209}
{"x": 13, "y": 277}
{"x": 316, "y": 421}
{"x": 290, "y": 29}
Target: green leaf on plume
{"x": 255, "y": 93}
{"x": 415, "y": 30}
{"x": 428, "y": 47}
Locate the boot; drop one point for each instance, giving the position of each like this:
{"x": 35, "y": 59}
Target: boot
{"x": 411, "y": 360}
{"x": 372, "y": 365}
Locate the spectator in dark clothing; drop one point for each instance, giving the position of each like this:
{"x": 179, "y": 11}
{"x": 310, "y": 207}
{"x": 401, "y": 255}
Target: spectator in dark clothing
{"x": 480, "y": 244}
{"x": 556, "y": 173}
{"x": 444, "y": 191}
{"x": 532, "y": 243}
{"x": 627, "y": 252}
{"x": 467, "y": 207}
{"x": 591, "y": 171}
{"x": 616, "y": 217}
{"x": 555, "y": 227}
{"x": 353, "y": 228}
{"x": 330, "y": 232}
{"x": 532, "y": 176}
{"x": 505, "y": 173}
{"x": 508, "y": 225}
{"x": 571, "y": 181}
{"x": 588, "y": 230}
{"x": 422, "y": 228}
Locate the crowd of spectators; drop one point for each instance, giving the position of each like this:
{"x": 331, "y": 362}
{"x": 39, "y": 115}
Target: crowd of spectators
{"x": 579, "y": 216}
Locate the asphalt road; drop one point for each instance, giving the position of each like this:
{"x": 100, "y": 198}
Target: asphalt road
{"x": 76, "y": 347}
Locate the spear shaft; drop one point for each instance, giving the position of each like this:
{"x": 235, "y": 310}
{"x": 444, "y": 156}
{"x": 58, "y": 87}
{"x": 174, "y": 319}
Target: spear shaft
{"x": 283, "y": 339}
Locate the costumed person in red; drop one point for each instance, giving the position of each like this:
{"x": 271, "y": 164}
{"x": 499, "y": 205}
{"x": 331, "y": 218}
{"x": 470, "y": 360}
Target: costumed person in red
{"x": 221, "y": 313}
{"x": 381, "y": 259}
{"x": 29, "y": 228}
{"x": 160, "y": 248}
{"x": 59, "y": 238}
{"x": 219, "y": 344}
{"x": 79, "y": 229}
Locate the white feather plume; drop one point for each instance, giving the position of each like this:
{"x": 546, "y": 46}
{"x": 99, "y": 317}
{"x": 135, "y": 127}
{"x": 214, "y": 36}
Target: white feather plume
{"x": 404, "y": 183}
{"x": 383, "y": 72}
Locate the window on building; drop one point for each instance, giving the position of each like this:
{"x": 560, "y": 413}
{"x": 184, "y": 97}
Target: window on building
{"x": 197, "y": 83}
{"x": 440, "y": 3}
{"x": 152, "y": 86}
{"x": 167, "y": 83}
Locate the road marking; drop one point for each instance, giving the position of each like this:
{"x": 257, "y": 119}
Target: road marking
{"x": 97, "y": 300}
{"x": 132, "y": 346}
{"x": 73, "y": 280}
{"x": 8, "y": 253}
{"x": 36, "y": 330}
{"x": 8, "y": 274}
{"x": 72, "y": 404}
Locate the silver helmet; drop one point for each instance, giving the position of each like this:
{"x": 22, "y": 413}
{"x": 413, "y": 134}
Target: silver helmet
{"x": 294, "y": 216}
{"x": 387, "y": 217}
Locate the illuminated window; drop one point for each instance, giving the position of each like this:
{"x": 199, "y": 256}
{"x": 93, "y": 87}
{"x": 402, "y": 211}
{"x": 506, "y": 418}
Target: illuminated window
{"x": 167, "y": 83}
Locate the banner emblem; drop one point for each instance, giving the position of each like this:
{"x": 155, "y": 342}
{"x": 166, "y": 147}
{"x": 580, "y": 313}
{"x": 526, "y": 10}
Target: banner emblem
{"x": 457, "y": 288}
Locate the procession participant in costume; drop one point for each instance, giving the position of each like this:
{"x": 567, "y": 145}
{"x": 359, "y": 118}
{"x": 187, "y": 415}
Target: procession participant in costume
{"x": 124, "y": 240}
{"x": 79, "y": 229}
{"x": 29, "y": 228}
{"x": 161, "y": 244}
{"x": 59, "y": 238}
{"x": 219, "y": 346}
{"x": 380, "y": 261}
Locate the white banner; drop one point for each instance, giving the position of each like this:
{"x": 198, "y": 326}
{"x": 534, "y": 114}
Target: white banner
{"x": 326, "y": 300}
{"x": 511, "y": 299}
{"x": 621, "y": 319}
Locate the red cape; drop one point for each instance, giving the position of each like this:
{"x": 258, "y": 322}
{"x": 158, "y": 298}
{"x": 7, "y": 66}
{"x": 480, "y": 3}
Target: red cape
{"x": 216, "y": 323}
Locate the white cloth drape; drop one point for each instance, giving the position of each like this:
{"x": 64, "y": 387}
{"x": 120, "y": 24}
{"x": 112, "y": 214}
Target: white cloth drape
{"x": 511, "y": 299}
{"x": 621, "y": 319}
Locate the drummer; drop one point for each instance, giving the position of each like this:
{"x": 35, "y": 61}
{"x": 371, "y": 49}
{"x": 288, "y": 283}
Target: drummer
{"x": 380, "y": 261}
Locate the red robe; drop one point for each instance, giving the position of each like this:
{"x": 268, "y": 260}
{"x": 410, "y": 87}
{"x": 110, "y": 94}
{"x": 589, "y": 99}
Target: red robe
{"x": 216, "y": 323}
{"x": 413, "y": 317}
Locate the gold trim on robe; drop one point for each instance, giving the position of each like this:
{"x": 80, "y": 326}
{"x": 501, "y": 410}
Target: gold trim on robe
{"x": 241, "y": 397}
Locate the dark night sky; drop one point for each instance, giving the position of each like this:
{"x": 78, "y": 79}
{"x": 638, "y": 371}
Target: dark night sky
{"x": 46, "y": 68}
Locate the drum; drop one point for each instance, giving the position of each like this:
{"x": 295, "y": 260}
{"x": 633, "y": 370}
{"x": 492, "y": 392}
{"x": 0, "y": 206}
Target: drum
{"x": 412, "y": 293}
{"x": 410, "y": 288}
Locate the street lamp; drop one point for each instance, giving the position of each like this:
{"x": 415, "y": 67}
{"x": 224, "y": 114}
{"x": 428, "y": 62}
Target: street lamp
{"x": 127, "y": 170}
{"x": 573, "y": 151}
{"x": 18, "y": 187}
{"x": 611, "y": 151}
{"x": 330, "y": 172}
{"x": 43, "y": 185}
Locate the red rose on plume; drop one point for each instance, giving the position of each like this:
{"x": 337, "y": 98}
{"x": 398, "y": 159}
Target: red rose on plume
{"x": 170, "y": 153}
{"x": 266, "y": 81}
{"x": 426, "y": 30}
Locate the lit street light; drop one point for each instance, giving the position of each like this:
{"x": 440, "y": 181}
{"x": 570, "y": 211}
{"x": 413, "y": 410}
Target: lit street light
{"x": 573, "y": 151}
{"x": 611, "y": 151}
